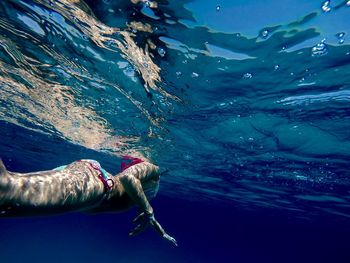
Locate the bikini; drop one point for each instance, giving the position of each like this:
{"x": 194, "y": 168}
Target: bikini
{"x": 107, "y": 181}
{"x": 128, "y": 161}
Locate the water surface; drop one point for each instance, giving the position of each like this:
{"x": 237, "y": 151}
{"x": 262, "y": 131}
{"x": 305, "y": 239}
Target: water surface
{"x": 245, "y": 102}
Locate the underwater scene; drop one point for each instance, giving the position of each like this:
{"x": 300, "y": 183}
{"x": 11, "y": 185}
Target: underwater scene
{"x": 246, "y": 104}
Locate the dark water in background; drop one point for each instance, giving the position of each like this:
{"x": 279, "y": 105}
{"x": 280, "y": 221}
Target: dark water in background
{"x": 246, "y": 102}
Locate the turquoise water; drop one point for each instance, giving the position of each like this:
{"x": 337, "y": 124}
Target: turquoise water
{"x": 245, "y": 102}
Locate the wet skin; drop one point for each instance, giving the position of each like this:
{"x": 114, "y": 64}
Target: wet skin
{"x": 78, "y": 188}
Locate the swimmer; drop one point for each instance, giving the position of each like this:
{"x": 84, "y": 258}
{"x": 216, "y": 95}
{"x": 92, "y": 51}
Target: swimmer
{"x": 84, "y": 186}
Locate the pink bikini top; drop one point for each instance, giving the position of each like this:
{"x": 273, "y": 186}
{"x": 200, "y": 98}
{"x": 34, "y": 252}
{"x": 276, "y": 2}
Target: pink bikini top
{"x": 129, "y": 161}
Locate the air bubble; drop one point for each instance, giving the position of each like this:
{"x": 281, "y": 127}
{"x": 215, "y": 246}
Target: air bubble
{"x": 348, "y": 3}
{"x": 247, "y": 75}
{"x": 218, "y": 8}
{"x": 264, "y": 33}
{"x": 161, "y": 51}
{"x": 325, "y": 6}
{"x": 147, "y": 3}
{"x": 276, "y": 67}
{"x": 194, "y": 75}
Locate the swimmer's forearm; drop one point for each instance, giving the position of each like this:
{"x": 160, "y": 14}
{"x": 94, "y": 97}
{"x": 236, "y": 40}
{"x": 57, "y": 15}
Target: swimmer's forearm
{"x": 134, "y": 189}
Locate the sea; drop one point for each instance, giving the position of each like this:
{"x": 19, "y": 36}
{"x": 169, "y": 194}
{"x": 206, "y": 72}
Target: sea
{"x": 246, "y": 103}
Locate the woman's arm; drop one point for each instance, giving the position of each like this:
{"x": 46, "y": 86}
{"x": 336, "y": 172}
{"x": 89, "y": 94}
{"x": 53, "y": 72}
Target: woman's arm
{"x": 132, "y": 186}
{"x": 132, "y": 179}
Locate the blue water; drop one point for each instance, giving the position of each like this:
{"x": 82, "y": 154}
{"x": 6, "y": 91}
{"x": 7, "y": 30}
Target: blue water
{"x": 245, "y": 102}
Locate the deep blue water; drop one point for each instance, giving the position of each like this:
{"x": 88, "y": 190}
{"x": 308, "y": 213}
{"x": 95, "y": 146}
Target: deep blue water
{"x": 245, "y": 102}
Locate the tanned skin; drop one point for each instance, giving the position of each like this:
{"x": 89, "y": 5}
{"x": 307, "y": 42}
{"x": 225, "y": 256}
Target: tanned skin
{"x": 78, "y": 188}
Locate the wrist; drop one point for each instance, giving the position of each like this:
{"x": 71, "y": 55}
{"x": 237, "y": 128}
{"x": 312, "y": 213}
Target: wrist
{"x": 149, "y": 215}
{"x": 149, "y": 211}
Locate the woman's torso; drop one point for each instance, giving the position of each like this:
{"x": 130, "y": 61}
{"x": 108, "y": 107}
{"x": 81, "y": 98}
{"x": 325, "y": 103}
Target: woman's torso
{"x": 75, "y": 186}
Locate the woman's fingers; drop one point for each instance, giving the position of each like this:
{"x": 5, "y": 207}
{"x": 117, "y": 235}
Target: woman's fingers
{"x": 171, "y": 239}
{"x": 138, "y": 218}
{"x": 145, "y": 220}
{"x": 161, "y": 231}
{"x": 139, "y": 228}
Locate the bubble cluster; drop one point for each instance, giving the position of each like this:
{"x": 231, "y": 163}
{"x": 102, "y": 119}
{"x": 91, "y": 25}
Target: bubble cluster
{"x": 340, "y": 37}
{"x": 326, "y": 6}
{"x": 320, "y": 49}
{"x": 247, "y": 75}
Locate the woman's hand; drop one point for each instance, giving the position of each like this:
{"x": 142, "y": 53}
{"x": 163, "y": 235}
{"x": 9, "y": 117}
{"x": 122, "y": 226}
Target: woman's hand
{"x": 144, "y": 220}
